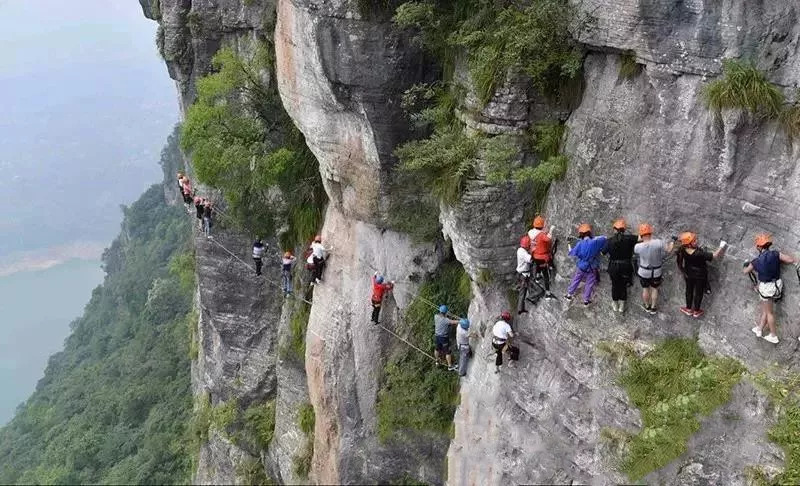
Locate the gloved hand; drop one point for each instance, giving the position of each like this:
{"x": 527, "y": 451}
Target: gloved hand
{"x": 375, "y": 274}
{"x": 746, "y": 263}
{"x": 552, "y": 228}
{"x": 674, "y": 238}
{"x": 723, "y": 243}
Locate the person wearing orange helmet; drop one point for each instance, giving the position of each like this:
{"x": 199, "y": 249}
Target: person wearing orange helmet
{"x": 767, "y": 267}
{"x": 651, "y": 252}
{"x": 693, "y": 264}
{"x": 379, "y": 289}
{"x": 524, "y": 261}
{"x": 287, "y": 262}
{"x": 587, "y": 252}
{"x": 318, "y": 256}
{"x": 619, "y": 249}
{"x": 542, "y": 253}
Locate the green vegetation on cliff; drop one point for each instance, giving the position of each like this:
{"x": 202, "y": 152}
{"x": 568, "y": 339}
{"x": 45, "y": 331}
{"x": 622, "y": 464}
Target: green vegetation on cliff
{"x": 672, "y": 385}
{"x": 416, "y": 396}
{"x": 242, "y": 141}
{"x": 743, "y": 86}
{"x": 113, "y": 406}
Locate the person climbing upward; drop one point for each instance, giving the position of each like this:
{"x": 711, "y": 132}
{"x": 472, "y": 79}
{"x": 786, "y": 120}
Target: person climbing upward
{"x": 286, "y": 272}
{"x": 541, "y": 243}
{"x": 524, "y": 261}
{"x": 693, "y": 264}
{"x": 199, "y": 206}
{"x": 501, "y": 340}
{"x": 258, "y": 254}
{"x": 619, "y": 249}
{"x": 463, "y": 335}
{"x": 379, "y": 289}
{"x": 187, "y": 191}
{"x": 208, "y": 211}
{"x": 318, "y": 255}
{"x": 441, "y": 330}
{"x": 587, "y": 251}
{"x": 767, "y": 266}
{"x": 651, "y": 253}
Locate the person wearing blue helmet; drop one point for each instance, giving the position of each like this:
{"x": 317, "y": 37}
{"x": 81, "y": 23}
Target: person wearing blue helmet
{"x": 379, "y": 288}
{"x": 464, "y": 350}
{"x": 441, "y": 328}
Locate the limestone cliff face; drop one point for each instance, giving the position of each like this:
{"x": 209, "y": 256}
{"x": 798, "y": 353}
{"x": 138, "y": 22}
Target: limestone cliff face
{"x": 644, "y": 148}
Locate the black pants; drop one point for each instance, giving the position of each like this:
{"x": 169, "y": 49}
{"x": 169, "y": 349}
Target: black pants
{"x": 620, "y": 274}
{"x": 695, "y": 289}
{"x": 376, "y": 311}
{"x": 259, "y": 263}
{"x": 542, "y": 268}
{"x": 498, "y": 348}
{"x": 319, "y": 267}
{"x": 523, "y": 293}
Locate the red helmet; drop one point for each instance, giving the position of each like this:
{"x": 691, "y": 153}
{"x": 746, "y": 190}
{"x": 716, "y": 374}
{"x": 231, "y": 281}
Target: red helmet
{"x": 525, "y": 242}
{"x": 538, "y": 222}
{"x": 505, "y": 315}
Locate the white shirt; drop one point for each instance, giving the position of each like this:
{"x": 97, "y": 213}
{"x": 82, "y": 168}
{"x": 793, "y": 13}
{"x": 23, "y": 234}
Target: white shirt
{"x": 523, "y": 261}
{"x": 462, "y": 336}
{"x": 317, "y": 250}
{"x": 501, "y": 330}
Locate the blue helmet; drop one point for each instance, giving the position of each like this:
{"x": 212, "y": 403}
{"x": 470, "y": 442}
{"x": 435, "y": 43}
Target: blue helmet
{"x": 464, "y": 323}
{"x": 443, "y": 309}
{"x": 379, "y": 279}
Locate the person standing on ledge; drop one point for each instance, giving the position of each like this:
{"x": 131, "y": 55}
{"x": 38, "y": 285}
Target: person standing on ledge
{"x": 258, "y": 254}
{"x": 693, "y": 264}
{"x": 379, "y": 289}
{"x": 318, "y": 256}
{"x": 501, "y": 341}
{"x": 767, "y": 266}
{"x": 619, "y": 249}
{"x": 208, "y": 212}
{"x": 651, "y": 254}
{"x": 286, "y": 272}
{"x": 441, "y": 329}
{"x": 587, "y": 251}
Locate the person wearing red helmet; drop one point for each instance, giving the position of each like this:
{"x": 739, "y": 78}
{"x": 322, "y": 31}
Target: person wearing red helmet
{"x": 318, "y": 256}
{"x": 501, "y": 340}
{"x": 651, "y": 253}
{"x": 767, "y": 267}
{"x": 587, "y": 252}
{"x": 524, "y": 260}
{"x": 693, "y": 264}
{"x": 379, "y": 289}
{"x": 619, "y": 249}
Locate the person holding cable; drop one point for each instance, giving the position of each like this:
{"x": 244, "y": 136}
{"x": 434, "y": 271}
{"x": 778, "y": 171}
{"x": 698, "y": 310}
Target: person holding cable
{"x": 441, "y": 328}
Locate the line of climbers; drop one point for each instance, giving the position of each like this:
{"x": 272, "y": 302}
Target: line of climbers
{"x": 644, "y": 256}
{"x": 204, "y": 207}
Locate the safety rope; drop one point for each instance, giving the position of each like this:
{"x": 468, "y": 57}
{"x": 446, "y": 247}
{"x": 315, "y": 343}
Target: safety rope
{"x": 408, "y": 343}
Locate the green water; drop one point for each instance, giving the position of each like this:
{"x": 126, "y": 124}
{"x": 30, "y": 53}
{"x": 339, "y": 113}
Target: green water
{"x": 35, "y": 311}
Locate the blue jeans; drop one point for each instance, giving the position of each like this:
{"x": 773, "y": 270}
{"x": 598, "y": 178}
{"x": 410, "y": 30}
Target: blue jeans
{"x": 287, "y": 281}
{"x": 207, "y": 226}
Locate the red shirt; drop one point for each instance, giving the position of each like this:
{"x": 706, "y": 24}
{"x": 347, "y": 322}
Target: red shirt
{"x": 379, "y": 289}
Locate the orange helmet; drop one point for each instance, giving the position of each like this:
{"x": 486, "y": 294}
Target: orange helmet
{"x": 645, "y": 229}
{"x": 763, "y": 240}
{"x": 288, "y": 254}
{"x": 538, "y": 222}
{"x": 687, "y": 238}
{"x": 584, "y": 228}
{"x": 619, "y": 224}
{"x": 318, "y": 238}
{"x": 525, "y": 242}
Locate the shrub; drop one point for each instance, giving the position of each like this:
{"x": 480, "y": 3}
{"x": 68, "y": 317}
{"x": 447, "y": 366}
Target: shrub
{"x": 298, "y": 324}
{"x": 259, "y": 423}
{"x": 745, "y": 87}
{"x": 628, "y": 67}
{"x": 790, "y": 120}
{"x": 306, "y": 418}
{"x": 415, "y": 395}
{"x": 251, "y": 471}
{"x": 301, "y": 462}
{"x": 672, "y": 385}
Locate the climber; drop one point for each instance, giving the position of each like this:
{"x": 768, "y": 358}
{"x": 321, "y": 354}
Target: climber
{"x": 587, "y": 251}
{"x": 441, "y": 328}
{"x": 651, "y": 254}
{"x": 208, "y": 211}
{"x": 524, "y": 261}
{"x": 693, "y": 264}
{"x": 619, "y": 249}
{"x": 286, "y": 272}
{"x": 187, "y": 191}
{"x": 501, "y": 341}
{"x": 379, "y": 288}
{"x": 318, "y": 257}
{"x": 258, "y": 254}
{"x": 542, "y": 252}
{"x": 767, "y": 266}
{"x": 180, "y": 177}
{"x": 463, "y": 335}
{"x": 199, "y": 208}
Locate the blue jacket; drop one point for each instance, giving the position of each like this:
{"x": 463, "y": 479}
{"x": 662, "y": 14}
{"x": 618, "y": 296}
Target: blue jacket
{"x": 587, "y": 251}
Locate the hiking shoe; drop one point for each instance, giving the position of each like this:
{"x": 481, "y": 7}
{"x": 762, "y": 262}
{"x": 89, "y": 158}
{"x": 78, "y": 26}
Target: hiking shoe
{"x": 698, "y": 313}
{"x": 652, "y": 311}
{"x": 498, "y": 368}
{"x": 549, "y": 295}
{"x": 568, "y": 297}
{"x": 757, "y": 331}
{"x": 687, "y": 311}
{"x": 587, "y": 303}
{"x": 523, "y": 311}
{"x": 452, "y": 368}
{"x": 771, "y": 338}
{"x": 318, "y": 281}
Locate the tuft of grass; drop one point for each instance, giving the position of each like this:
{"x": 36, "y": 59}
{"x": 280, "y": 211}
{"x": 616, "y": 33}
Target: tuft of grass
{"x": 415, "y": 395}
{"x": 628, "y": 67}
{"x": 191, "y": 324}
{"x": 224, "y": 414}
{"x": 485, "y": 276}
{"x": 672, "y": 385}
{"x": 306, "y": 418}
{"x": 259, "y": 423}
{"x": 784, "y": 392}
{"x": 301, "y": 462}
{"x": 790, "y": 120}
{"x": 743, "y": 86}
{"x": 251, "y": 471}
{"x": 298, "y": 324}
